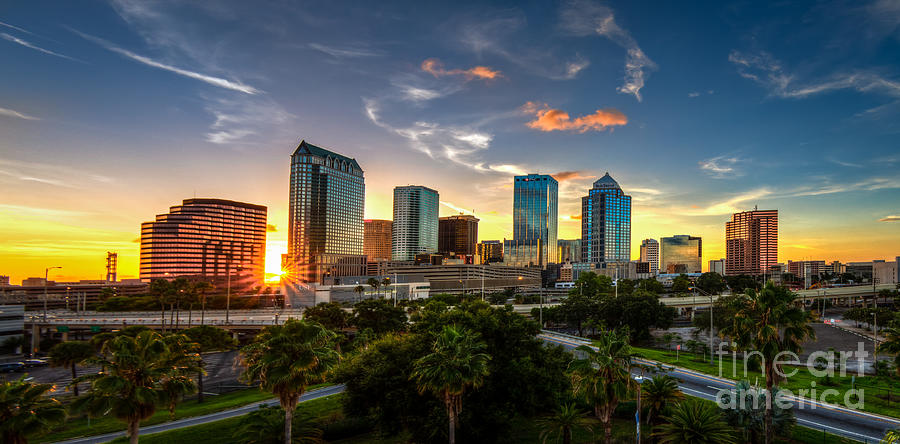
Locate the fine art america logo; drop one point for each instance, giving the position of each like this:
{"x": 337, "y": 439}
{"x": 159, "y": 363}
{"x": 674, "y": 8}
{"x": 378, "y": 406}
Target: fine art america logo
{"x": 820, "y": 364}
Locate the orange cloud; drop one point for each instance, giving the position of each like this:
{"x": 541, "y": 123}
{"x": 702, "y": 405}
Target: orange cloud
{"x": 563, "y": 176}
{"x": 436, "y": 68}
{"x": 548, "y": 119}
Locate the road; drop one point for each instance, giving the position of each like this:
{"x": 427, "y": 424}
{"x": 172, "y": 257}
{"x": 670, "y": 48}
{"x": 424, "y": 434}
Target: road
{"x": 197, "y": 420}
{"x": 861, "y": 426}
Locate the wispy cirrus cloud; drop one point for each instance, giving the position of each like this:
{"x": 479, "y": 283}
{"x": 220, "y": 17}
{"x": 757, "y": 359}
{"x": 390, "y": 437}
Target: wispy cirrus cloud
{"x": 549, "y": 119}
{"x": 30, "y": 45}
{"x": 343, "y": 53}
{"x": 16, "y": 28}
{"x": 17, "y": 114}
{"x": 891, "y": 218}
{"x": 731, "y": 205}
{"x": 721, "y": 167}
{"x": 458, "y": 144}
{"x": 48, "y": 174}
{"x": 584, "y": 17}
{"x": 240, "y": 117}
{"x": 871, "y": 184}
{"x": 233, "y": 85}
{"x": 766, "y": 70}
{"x": 436, "y": 68}
{"x": 563, "y": 176}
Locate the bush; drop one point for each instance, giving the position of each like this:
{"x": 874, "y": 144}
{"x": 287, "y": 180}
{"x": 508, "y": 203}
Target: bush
{"x": 346, "y": 428}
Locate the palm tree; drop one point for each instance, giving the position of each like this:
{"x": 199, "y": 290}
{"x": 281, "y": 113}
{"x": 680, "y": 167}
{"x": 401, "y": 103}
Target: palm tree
{"x": 287, "y": 358}
{"x": 184, "y": 357}
{"x": 131, "y": 384}
{"x": 161, "y": 290}
{"x": 891, "y": 437}
{"x": 744, "y": 410}
{"x": 201, "y": 288}
{"x": 68, "y": 354}
{"x": 386, "y": 283}
{"x": 659, "y": 392}
{"x": 562, "y": 422}
{"x": 359, "y": 289}
{"x": 603, "y": 376}
{"x": 694, "y": 422}
{"x": 266, "y": 426}
{"x": 769, "y": 322}
{"x": 457, "y": 361}
{"x": 374, "y": 283}
{"x": 25, "y": 410}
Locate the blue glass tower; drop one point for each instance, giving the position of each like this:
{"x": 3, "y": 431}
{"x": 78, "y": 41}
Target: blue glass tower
{"x": 606, "y": 223}
{"x": 535, "y": 203}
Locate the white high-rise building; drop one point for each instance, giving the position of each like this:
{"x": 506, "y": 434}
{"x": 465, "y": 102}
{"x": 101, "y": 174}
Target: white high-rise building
{"x": 415, "y": 228}
{"x": 650, "y": 253}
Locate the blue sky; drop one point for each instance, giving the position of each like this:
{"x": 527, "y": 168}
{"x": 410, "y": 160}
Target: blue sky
{"x": 112, "y": 111}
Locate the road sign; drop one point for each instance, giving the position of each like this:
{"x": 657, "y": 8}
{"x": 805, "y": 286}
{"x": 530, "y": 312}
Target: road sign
{"x": 62, "y": 329}
{"x": 95, "y": 329}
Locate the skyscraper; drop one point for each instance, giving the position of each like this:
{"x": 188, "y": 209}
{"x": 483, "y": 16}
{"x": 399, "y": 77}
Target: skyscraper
{"x": 415, "y": 228}
{"x": 212, "y": 238}
{"x": 535, "y": 213}
{"x": 325, "y": 215}
{"x": 569, "y": 250}
{"x": 751, "y": 242}
{"x": 606, "y": 223}
{"x": 681, "y": 254}
{"x": 377, "y": 239}
{"x": 650, "y": 254}
{"x": 457, "y": 234}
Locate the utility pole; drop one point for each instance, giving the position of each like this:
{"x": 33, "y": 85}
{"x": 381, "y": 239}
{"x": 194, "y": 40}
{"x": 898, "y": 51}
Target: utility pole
{"x": 228, "y": 292}
{"x": 46, "y": 276}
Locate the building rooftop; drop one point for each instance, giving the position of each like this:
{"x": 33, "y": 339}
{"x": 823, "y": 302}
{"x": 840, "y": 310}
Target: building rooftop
{"x": 308, "y": 148}
{"x": 606, "y": 182}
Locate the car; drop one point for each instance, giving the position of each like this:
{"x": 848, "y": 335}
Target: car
{"x": 11, "y": 367}
{"x": 35, "y": 363}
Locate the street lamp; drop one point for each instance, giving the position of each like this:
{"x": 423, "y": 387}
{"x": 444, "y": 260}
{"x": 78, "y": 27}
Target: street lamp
{"x": 46, "y": 276}
{"x": 637, "y": 415}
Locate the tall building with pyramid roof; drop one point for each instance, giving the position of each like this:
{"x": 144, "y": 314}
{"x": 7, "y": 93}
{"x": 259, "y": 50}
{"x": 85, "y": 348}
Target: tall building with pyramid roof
{"x": 606, "y": 223}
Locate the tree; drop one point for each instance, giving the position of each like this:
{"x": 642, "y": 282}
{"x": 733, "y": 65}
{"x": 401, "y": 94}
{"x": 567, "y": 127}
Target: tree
{"x": 130, "y": 386}
{"x": 658, "y": 393}
{"x": 891, "y": 344}
{"x": 359, "y": 289}
{"x": 578, "y": 308}
{"x": 69, "y": 354}
{"x": 638, "y": 312}
{"x": 592, "y": 285}
{"x": 25, "y": 410}
{"x": 561, "y": 423}
{"x": 374, "y": 283}
{"x": 711, "y": 282}
{"x": 457, "y": 362}
{"x": 652, "y": 285}
{"x": 163, "y": 292}
{"x": 769, "y": 322}
{"x": 185, "y": 359}
{"x": 746, "y": 412}
{"x": 201, "y": 288}
{"x": 208, "y": 338}
{"x": 681, "y": 283}
{"x": 603, "y": 376}
{"x": 287, "y": 358}
{"x": 266, "y": 426}
{"x": 694, "y": 422}
{"x": 741, "y": 283}
{"x": 329, "y": 314}
{"x": 379, "y": 316}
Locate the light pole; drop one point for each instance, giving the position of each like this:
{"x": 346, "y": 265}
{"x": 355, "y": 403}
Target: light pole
{"x": 46, "y": 276}
{"x": 637, "y": 415}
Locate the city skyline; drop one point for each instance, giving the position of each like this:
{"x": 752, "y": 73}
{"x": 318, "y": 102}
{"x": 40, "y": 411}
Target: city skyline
{"x": 112, "y": 111}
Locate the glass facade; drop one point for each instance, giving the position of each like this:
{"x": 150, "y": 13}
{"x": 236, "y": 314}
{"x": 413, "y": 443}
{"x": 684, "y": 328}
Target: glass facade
{"x": 606, "y": 223}
{"x": 325, "y": 220}
{"x": 415, "y": 222}
{"x": 535, "y": 216}
{"x": 569, "y": 250}
{"x": 751, "y": 242}
{"x": 681, "y": 254}
{"x": 212, "y": 238}
{"x": 377, "y": 240}
{"x": 457, "y": 234}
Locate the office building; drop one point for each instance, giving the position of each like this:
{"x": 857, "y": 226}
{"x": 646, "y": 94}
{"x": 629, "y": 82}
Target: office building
{"x": 751, "y": 242}
{"x": 835, "y": 267}
{"x": 457, "y": 234}
{"x": 216, "y": 239}
{"x": 569, "y": 250}
{"x": 415, "y": 222}
{"x": 650, "y": 254}
{"x": 681, "y": 254}
{"x": 490, "y": 251}
{"x": 4, "y": 280}
{"x": 535, "y": 213}
{"x": 606, "y": 223}
{"x": 377, "y": 239}
{"x": 325, "y": 215}
{"x": 806, "y": 271}
{"x": 884, "y": 272}
{"x": 717, "y": 266}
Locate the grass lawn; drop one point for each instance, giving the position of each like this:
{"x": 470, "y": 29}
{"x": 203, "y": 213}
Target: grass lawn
{"x": 78, "y": 426}
{"x": 881, "y": 395}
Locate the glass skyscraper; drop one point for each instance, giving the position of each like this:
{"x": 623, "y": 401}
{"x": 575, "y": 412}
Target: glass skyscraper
{"x": 325, "y": 215}
{"x": 415, "y": 229}
{"x": 535, "y": 211}
{"x": 606, "y": 223}
{"x": 681, "y": 254}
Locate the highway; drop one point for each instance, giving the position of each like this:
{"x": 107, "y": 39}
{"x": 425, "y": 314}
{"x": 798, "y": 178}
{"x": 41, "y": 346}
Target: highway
{"x": 853, "y": 424}
{"x": 197, "y": 420}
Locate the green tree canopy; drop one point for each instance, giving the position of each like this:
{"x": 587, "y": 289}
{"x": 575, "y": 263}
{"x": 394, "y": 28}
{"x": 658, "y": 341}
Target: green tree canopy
{"x": 711, "y": 282}
{"x": 681, "y": 284}
{"x": 379, "y": 315}
{"x": 69, "y": 354}
{"x": 329, "y": 314}
{"x": 26, "y": 410}
{"x": 592, "y": 285}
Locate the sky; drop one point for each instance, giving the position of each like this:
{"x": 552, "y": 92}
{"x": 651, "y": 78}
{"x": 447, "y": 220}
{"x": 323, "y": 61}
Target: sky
{"x": 111, "y": 112}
